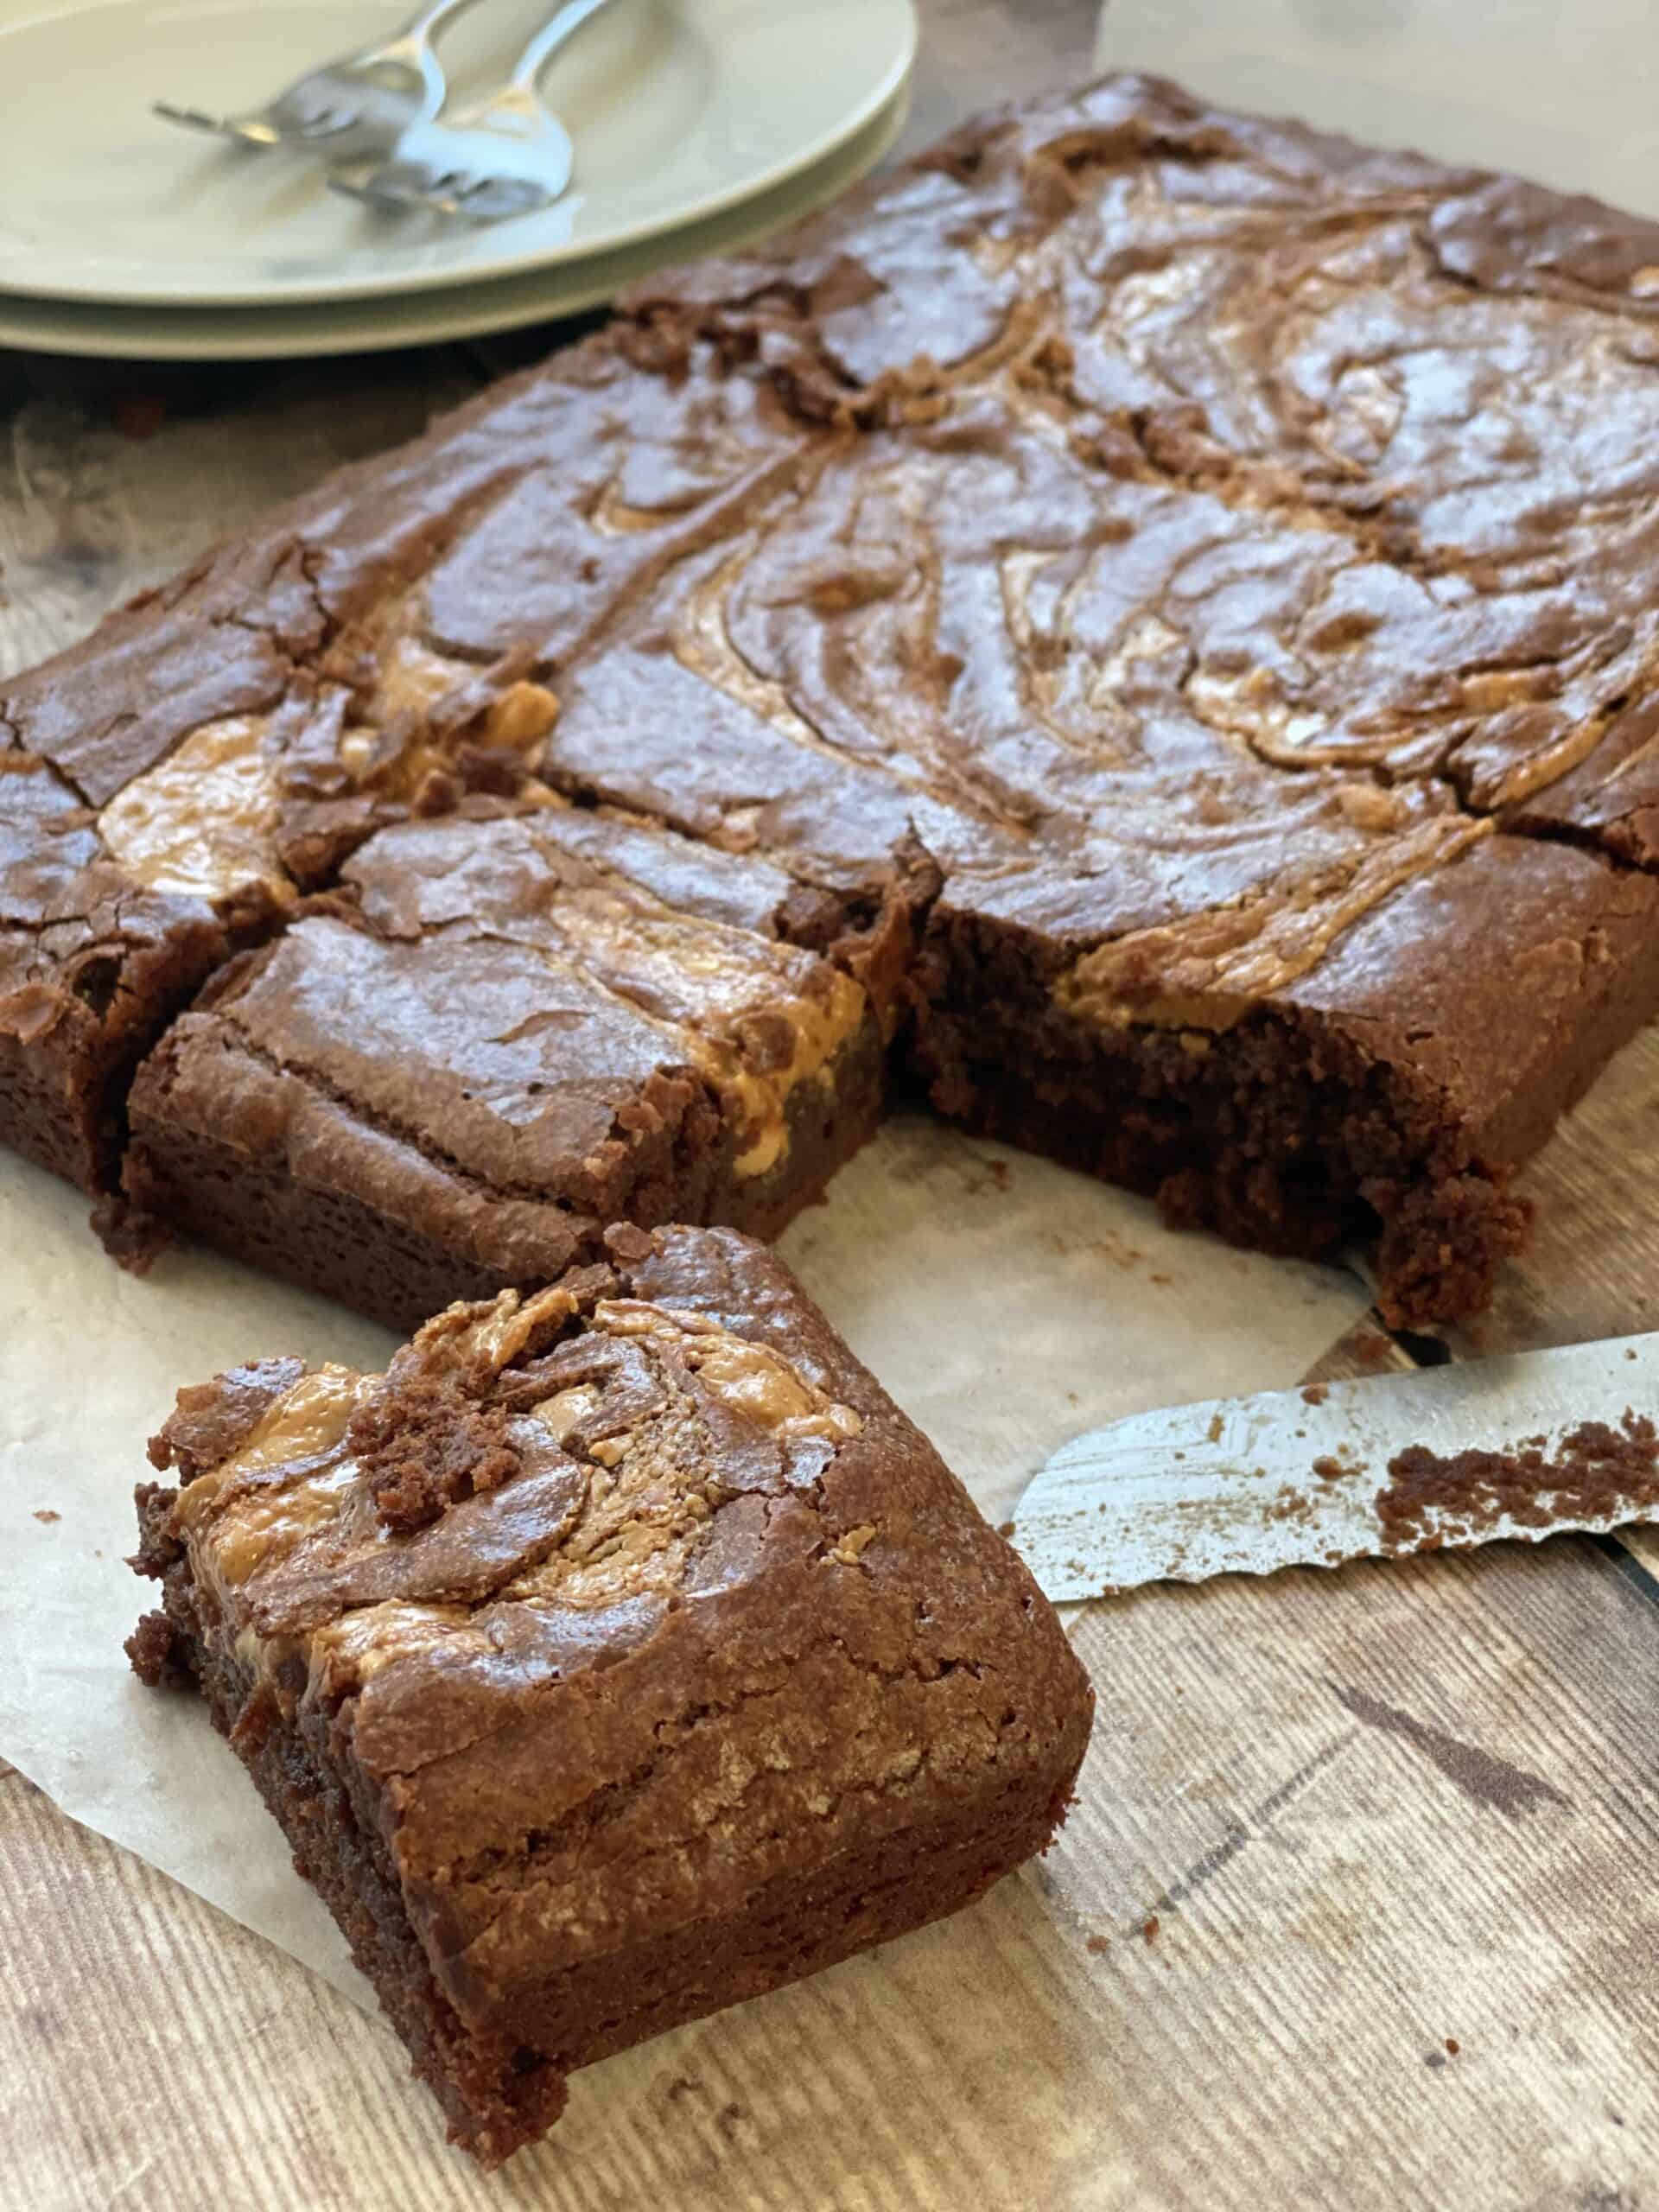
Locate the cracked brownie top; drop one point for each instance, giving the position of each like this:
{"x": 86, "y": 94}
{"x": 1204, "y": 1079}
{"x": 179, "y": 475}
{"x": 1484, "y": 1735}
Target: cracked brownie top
{"x": 622, "y": 1597}
{"x": 1218, "y": 478}
{"x": 1213, "y": 446}
{"x": 1210, "y": 551}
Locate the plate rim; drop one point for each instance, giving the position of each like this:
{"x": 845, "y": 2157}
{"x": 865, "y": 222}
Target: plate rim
{"x": 865, "y": 111}
{"x": 450, "y": 321}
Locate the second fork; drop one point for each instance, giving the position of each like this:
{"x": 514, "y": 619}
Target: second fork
{"x": 507, "y": 155}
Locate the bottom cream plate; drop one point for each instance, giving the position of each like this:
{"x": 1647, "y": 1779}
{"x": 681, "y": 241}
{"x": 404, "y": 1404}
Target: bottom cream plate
{"x": 429, "y": 318}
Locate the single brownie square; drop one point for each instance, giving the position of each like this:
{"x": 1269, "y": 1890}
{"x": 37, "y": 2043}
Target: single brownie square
{"x": 516, "y": 1032}
{"x": 620, "y": 1653}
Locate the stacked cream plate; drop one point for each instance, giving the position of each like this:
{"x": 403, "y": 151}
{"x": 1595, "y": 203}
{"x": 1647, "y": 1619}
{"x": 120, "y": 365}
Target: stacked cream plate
{"x": 697, "y": 124}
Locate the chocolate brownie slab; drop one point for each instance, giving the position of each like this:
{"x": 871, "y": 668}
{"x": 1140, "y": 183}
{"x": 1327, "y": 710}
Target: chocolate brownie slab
{"x": 1191, "y": 546}
{"x": 622, "y": 1652}
{"x": 1199, "y": 935}
{"x": 520, "y": 1030}
{"x": 1360, "y": 605}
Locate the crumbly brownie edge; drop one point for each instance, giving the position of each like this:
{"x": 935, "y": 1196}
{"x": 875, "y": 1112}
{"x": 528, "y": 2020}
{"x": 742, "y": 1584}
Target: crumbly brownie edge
{"x": 1231, "y": 1140}
{"x": 333, "y": 1243}
{"x": 497, "y": 2099}
{"x": 500, "y": 2090}
{"x": 830, "y": 1118}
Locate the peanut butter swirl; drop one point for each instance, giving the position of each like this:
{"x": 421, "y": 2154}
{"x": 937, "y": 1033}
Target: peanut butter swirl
{"x": 202, "y": 823}
{"x": 614, "y": 1484}
{"x": 1207, "y": 972}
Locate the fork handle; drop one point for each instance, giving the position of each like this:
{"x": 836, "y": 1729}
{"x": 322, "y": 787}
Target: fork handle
{"x": 421, "y": 25}
{"x": 546, "y": 42}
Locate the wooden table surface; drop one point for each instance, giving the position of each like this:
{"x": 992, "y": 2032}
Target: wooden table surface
{"x": 1355, "y": 1909}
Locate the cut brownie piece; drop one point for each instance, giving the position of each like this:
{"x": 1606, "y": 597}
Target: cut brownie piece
{"x": 91, "y": 965}
{"x": 620, "y": 1653}
{"x": 520, "y": 1030}
{"x": 375, "y": 650}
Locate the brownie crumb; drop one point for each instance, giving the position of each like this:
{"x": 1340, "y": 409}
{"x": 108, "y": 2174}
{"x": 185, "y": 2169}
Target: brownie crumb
{"x": 1328, "y": 1469}
{"x": 44, "y": 1513}
{"x": 155, "y": 1650}
{"x": 1598, "y": 1472}
{"x": 1452, "y": 2046}
{"x": 1098, "y": 1944}
{"x": 1315, "y": 1394}
{"x": 133, "y": 1238}
{"x": 1150, "y": 1931}
{"x": 426, "y": 1448}
{"x": 1374, "y": 1349}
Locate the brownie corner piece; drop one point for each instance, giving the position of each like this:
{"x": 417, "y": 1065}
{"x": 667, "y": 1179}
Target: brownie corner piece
{"x": 620, "y": 1653}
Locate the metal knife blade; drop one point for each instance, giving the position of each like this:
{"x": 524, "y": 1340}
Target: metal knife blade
{"x": 1231, "y": 1486}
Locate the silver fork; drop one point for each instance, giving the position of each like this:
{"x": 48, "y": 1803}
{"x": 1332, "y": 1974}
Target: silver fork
{"x": 505, "y": 155}
{"x": 357, "y": 107}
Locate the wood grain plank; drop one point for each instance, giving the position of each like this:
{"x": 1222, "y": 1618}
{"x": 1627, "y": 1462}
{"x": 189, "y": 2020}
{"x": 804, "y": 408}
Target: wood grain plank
{"x": 1373, "y": 1810}
{"x": 1369, "y": 1811}
{"x": 153, "y": 2053}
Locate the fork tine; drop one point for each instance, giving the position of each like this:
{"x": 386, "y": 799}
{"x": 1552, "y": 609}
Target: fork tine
{"x": 411, "y": 182}
{"x": 192, "y": 118}
{"x": 367, "y": 193}
{"x": 240, "y": 129}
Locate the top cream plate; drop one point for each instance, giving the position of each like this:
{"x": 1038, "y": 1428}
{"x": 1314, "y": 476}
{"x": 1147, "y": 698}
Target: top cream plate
{"x": 678, "y": 108}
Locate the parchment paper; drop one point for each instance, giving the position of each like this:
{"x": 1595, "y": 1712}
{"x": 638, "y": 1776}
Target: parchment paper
{"x": 1007, "y": 1305}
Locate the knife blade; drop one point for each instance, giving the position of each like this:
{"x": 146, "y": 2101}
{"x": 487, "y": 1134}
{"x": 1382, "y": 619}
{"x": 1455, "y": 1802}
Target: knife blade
{"x": 1355, "y": 1469}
